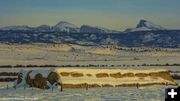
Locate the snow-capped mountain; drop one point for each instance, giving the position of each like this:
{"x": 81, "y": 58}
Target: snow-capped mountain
{"x": 43, "y": 28}
{"x": 145, "y": 25}
{"x": 64, "y": 26}
{"x": 24, "y": 27}
{"x": 145, "y": 34}
{"x": 93, "y": 29}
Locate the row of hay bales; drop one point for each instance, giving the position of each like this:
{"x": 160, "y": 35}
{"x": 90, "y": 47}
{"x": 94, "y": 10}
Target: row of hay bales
{"x": 85, "y": 85}
{"x": 139, "y": 78}
{"x": 162, "y": 74}
{"x": 65, "y": 78}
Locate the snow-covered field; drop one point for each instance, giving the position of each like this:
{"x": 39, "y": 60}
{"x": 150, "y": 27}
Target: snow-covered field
{"x": 65, "y": 54}
{"x": 41, "y": 54}
{"x": 148, "y": 93}
{"x": 151, "y": 93}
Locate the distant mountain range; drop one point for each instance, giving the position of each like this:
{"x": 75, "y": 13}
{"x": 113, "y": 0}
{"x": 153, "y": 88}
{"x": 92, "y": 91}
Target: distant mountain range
{"x": 62, "y": 26}
{"x": 144, "y": 34}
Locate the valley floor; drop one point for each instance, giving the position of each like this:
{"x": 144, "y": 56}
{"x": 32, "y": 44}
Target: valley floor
{"x": 73, "y": 55}
{"x": 70, "y": 54}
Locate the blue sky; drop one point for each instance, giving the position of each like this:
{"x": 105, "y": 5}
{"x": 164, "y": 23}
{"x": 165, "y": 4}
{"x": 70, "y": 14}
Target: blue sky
{"x": 114, "y": 14}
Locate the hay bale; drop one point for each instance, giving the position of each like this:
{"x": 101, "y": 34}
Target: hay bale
{"x": 141, "y": 74}
{"x": 40, "y": 82}
{"x": 102, "y": 75}
{"x": 74, "y": 74}
{"x": 164, "y": 74}
{"x": 116, "y": 75}
{"x": 107, "y": 85}
{"x": 81, "y": 85}
{"x": 128, "y": 75}
{"x": 65, "y": 74}
{"x": 155, "y": 78}
{"x": 141, "y": 78}
{"x": 89, "y": 75}
{"x": 93, "y": 85}
{"x": 53, "y": 77}
{"x": 126, "y": 85}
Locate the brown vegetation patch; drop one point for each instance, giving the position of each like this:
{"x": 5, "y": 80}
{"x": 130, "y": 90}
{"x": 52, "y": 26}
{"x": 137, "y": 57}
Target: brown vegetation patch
{"x": 141, "y": 74}
{"x": 101, "y": 75}
{"x": 76, "y": 74}
{"x": 128, "y": 75}
{"x": 107, "y": 85}
{"x": 116, "y": 75}
{"x": 65, "y": 74}
{"x": 89, "y": 75}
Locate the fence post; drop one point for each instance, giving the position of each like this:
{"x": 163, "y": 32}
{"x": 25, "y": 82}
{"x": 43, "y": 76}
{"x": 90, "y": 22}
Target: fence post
{"x": 7, "y": 87}
{"x": 61, "y": 87}
{"x": 137, "y": 85}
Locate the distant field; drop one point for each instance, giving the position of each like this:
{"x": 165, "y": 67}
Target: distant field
{"x": 35, "y": 56}
{"x": 70, "y": 54}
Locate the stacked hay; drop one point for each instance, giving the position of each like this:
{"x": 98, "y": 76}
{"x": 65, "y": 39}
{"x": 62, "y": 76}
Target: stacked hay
{"x": 42, "y": 78}
{"x": 113, "y": 77}
{"x": 90, "y": 78}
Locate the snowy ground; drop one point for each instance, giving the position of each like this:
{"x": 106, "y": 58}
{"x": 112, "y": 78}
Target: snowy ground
{"x": 151, "y": 93}
{"x": 62, "y": 54}
{"x": 82, "y": 55}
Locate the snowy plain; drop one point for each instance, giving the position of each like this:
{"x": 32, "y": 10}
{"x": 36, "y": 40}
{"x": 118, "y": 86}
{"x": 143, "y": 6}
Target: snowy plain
{"x": 83, "y": 55}
{"x": 151, "y": 93}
